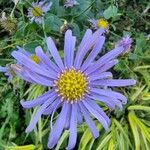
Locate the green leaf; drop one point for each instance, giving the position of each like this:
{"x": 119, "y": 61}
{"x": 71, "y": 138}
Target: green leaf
{"x": 139, "y": 107}
{"x": 30, "y": 47}
{"x": 134, "y": 130}
{"x": 143, "y": 128}
{"x": 62, "y": 139}
{"x": 119, "y": 126}
{"x": 111, "y": 11}
{"x": 104, "y": 141}
{"x": 25, "y": 147}
{"x": 86, "y": 137}
{"x": 111, "y": 145}
{"x": 52, "y": 23}
{"x": 147, "y": 145}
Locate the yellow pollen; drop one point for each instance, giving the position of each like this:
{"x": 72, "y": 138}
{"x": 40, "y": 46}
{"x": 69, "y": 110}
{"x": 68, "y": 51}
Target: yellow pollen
{"x": 35, "y": 58}
{"x": 71, "y": 85}
{"x": 102, "y": 23}
{"x": 37, "y": 11}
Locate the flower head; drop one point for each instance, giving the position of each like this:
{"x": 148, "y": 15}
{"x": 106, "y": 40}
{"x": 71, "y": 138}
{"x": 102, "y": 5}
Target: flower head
{"x": 8, "y": 71}
{"x": 70, "y": 3}
{"x": 100, "y": 23}
{"x": 37, "y": 11}
{"x": 8, "y": 24}
{"x": 76, "y": 84}
{"x": 125, "y": 42}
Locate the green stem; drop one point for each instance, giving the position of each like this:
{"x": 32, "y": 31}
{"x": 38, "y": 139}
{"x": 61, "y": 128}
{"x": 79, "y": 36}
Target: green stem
{"x": 40, "y": 130}
{"x": 43, "y": 26}
{"x": 12, "y": 12}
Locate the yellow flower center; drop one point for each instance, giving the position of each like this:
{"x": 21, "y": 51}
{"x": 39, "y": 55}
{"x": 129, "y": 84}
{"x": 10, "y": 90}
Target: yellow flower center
{"x": 102, "y": 23}
{"x": 35, "y": 58}
{"x": 37, "y": 11}
{"x": 71, "y": 85}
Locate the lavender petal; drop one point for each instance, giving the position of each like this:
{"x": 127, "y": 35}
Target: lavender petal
{"x": 110, "y": 94}
{"x": 96, "y": 76}
{"x": 38, "y": 101}
{"x": 38, "y": 114}
{"x": 51, "y": 108}
{"x": 89, "y": 121}
{"x": 104, "y": 59}
{"x": 58, "y": 126}
{"x": 97, "y": 115}
{"x": 46, "y": 60}
{"x": 97, "y": 49}
{"x": 54, "y": 52}
{"x": 25, "y": 61}
{"x": 114, "y": 82}
{"x": 87, "y": 43}
{"x": 69, "y": 48}
{"x": 73, "y": 128}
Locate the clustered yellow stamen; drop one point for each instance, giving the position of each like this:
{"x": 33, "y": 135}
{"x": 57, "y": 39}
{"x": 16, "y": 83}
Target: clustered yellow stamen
{"x": 37, "y": 11}
{"x": 102, "y": 23}
{"x": 71, "y": 85}
{"x": 35, "y": 58}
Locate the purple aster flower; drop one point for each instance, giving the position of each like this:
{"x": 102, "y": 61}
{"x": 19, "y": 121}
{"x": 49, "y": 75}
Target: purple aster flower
{"x": 37, "y": 11}
{"x": 77, "y": 83}
{"x": 99, "y": 23}
{"x": 8, "y": 71}
{"x": 125, "y": 42}
{"x": 23, "y": 71}
{"x": 70, "y": 3}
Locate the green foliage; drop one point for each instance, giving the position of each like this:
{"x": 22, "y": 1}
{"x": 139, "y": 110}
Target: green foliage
{"x": 111, "y": 11}
{"x": 129, "y": 129}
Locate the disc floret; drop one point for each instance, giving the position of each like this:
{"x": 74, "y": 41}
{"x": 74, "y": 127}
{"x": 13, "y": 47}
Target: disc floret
{"x": 72, "y": 85}
{"x": 37, "y": 11}
{"x": 35, "y": 58}
{"x": 102, "y": 23}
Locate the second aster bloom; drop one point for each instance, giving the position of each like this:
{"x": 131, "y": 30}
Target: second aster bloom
{"x": 76, "y": 83}
{"x": 99, "y": 23}
{"x": 70, "y": 3}
{"x": 37, "y": 11}
{"x": 126, "y": 42}
{"x": 8, "y": 71}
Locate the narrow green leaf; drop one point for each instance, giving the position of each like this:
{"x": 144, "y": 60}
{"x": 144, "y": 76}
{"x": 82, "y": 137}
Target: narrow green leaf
{"x": 104, "y": 142}
{"x": 119, "y": 126}
{"x": 86, "y": 137}
{"x": 62, "y": 139}
{"x": 147, "y": 145}
{"x": 137, "y": 93}
{"x": 134, "y": 130}
{"x": 139, "y": 107}
{"x": 143, "y": 128}
{"x": 111, "y": 145}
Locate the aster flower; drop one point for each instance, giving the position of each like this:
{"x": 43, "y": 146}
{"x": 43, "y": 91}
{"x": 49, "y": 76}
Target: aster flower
{"x": 125, "y": 42}
{"x": 70, "y": 3}
{"x": 37, "y": 11}
{"x": 76, "y": 84}
{"x": 99, "y": 23}
{"x": 8, "y": 71}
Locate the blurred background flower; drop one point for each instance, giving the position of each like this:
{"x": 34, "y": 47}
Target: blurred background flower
{"x": 38, "y": 10}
